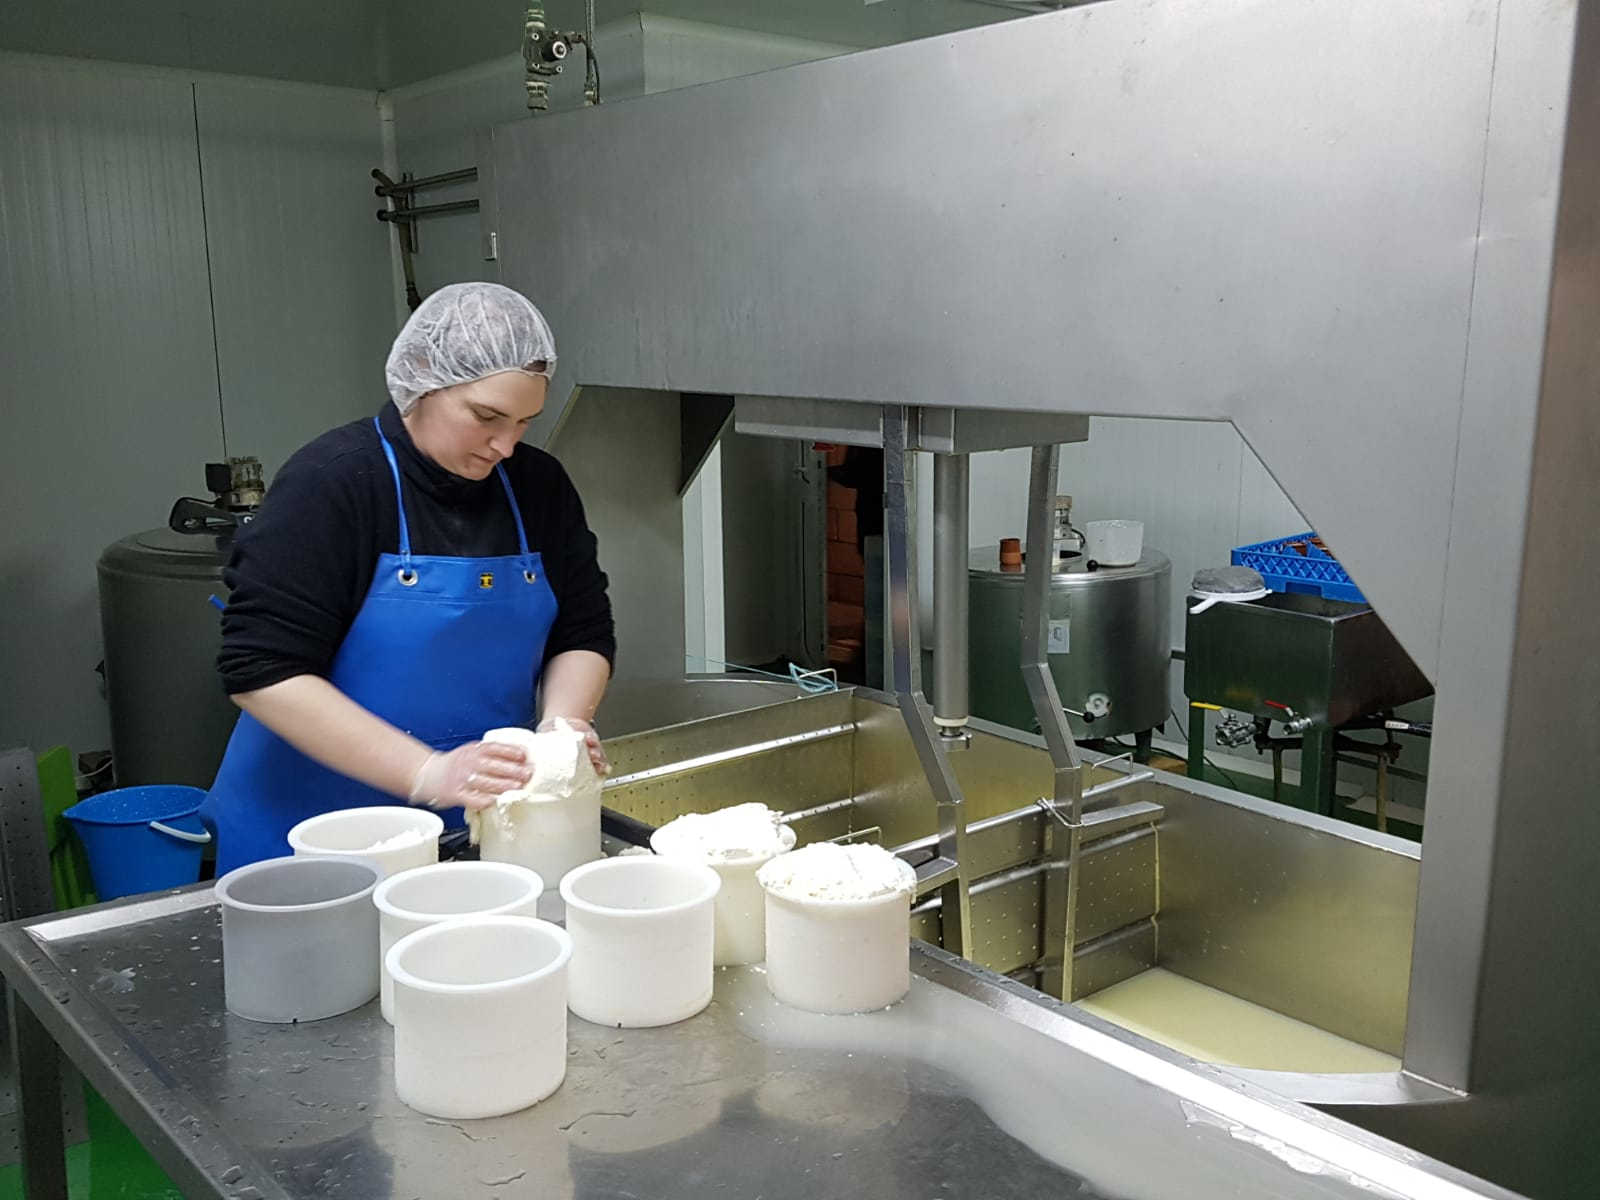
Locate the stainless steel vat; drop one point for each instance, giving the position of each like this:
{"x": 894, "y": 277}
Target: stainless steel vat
{"x": 1110, "y": 642}
{"x": 1299, "y": 913}
{"x": 1327, "y": 660}
{"x": 170, "y": 718}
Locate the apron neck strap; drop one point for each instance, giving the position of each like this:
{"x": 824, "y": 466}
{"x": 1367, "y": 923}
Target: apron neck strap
{"x": 400, "y": 500}
{"x": 516, "y": 511}
{"x": 399, "y": 496}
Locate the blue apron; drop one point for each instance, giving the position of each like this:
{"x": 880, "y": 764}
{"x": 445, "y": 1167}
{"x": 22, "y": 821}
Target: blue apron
{"x": 443, "y": 648}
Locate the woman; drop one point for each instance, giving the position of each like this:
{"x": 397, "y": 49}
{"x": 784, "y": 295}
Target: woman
{"x": 411, "y": 581}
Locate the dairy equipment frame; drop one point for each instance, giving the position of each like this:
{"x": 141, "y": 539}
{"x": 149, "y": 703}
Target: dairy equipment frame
{"x": 1393, "y": 301}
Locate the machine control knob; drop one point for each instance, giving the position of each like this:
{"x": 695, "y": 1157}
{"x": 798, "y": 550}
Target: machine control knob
{"x": 1097, "y": 705}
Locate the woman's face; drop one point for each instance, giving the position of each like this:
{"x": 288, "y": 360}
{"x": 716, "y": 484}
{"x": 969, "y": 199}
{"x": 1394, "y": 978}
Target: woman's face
{"x": 470, "y": 427}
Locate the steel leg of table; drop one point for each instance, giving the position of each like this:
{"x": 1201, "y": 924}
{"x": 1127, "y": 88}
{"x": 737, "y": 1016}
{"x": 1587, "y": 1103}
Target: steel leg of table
{"x": 1197, "y": 743}
{"x": 1318, "y": 772}
{"x": 39, "y": 1125}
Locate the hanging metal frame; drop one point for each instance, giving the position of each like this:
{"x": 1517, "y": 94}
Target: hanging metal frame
{"x": 948, "y": 871}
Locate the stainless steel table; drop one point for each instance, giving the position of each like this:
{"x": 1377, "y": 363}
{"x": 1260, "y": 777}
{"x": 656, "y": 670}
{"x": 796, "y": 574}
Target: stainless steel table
{"x": 974, "y": 1086}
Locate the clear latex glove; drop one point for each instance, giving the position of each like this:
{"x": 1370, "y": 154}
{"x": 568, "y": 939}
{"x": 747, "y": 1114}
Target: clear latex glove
{"x": 470, "y": 776}
{"x": 591, "y": 739}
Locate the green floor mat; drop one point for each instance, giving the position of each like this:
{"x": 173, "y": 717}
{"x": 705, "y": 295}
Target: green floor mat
{"x": 111, "y": 1165}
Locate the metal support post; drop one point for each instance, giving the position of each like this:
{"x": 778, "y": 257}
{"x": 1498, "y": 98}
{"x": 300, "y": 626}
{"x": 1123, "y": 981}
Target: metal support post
{"x": 1197, "y": 743}
{"x": 25, "y": 891}
{"x": 1061, "y": 894}
{"x": 950, "y": 523}
{"x": 40, "y": 1128}
{"x": 1318, "y": 770}
{"x": 949, "y": 871}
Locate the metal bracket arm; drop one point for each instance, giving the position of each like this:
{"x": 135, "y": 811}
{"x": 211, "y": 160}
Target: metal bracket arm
{"x": 955, "y": 900}
{"x": 1061, "y": 895}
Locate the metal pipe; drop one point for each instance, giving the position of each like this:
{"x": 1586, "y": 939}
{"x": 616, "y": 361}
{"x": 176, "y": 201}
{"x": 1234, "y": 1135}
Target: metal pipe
{"x": 427, "y": 210}
{"x": 1112, "y": 785}
{"x": 407, "y": 186}
{"x": 899, "y": 551}
{"x": 1037, "y": 572}
{"x": 1382, "y": 802}
{"x": 801, "y": 814}
{"x": 1397, "y": 772}
{"x": 733, "y": 754}
{"x": 951, "y": 475}
{"x": 1061, "y": 895}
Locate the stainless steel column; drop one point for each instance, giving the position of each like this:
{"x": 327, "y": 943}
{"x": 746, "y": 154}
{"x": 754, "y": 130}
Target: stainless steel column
{"x": 948, "y": 872}
{"x": 1061, "y": 885}
{"x": 951, "y": 476}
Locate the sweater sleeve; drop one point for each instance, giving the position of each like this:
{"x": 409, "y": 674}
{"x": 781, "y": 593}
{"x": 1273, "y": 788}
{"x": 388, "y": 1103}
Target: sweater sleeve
{"x": 296, "y": 578}
{"x": 583, "y": 619}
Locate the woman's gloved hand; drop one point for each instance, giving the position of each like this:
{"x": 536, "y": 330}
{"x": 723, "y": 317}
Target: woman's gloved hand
{"x": 591, "y": 739}
{"x": 470, "y": 776}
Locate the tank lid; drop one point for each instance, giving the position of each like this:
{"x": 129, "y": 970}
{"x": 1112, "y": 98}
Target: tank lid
{"x": 193, "y": 548}
{"x": 985, "y": 561}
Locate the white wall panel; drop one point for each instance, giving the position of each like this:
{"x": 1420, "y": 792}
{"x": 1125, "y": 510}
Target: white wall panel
{"x": 109, "y": 389}
{"x": 299, "y": 262}
{"x": 311, "y": 40}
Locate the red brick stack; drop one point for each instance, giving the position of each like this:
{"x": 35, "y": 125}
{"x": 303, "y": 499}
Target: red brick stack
{"x": 847, "y": 614}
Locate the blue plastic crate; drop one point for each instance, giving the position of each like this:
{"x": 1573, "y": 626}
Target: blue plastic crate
{"x": 1314, "y": 573}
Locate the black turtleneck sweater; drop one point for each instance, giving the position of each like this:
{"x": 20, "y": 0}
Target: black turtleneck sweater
{"x": 300, "y": 571}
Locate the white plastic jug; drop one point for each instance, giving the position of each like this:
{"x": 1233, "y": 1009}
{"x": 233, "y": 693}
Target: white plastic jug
{"x": 480, "y": 1015}
{"x": 424, "y": 896}
{"x": 1114, "y": 543}
{"x": 394, "y": 836}
{"x": 643, "y": 931}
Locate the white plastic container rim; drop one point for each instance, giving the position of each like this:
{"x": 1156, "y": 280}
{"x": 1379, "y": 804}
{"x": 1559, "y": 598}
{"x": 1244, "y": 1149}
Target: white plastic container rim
{"x": 305, "y": 862}
{"x": 711, "y": 884}
{"x": 532, "y": 889}
{"x": 319, "y": 834}
{"x": 786, "y": 839}
{"x": 394, "y": 962}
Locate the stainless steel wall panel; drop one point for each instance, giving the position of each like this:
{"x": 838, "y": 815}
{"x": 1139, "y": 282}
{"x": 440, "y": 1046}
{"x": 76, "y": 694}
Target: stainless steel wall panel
{"x": 1545, "y": 868}
{"x": 1245, "y": 262}
{"x": 620, "y": 447}
{"x": 1289, "y": 912}
{"x": 787, "y": 772}
{"x": 1109, "y": 960}
{"x": 1119, "y": 884}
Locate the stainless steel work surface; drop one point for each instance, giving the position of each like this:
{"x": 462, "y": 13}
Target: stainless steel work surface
{"x": 968, "y": 1088}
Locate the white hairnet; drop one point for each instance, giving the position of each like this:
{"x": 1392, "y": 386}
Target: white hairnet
{"x": 464, "y": 332}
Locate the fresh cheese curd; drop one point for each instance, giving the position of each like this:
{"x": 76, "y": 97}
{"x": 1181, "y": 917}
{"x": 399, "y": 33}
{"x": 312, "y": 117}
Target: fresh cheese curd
{"x": 403, "y": 840}
{"x": 825, "y": 871}
{"x": 739, "y": 831}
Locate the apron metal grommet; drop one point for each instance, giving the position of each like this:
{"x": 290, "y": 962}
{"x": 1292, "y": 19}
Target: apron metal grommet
{"x": 406, "y": 578}
{"x": 529, "y": 576}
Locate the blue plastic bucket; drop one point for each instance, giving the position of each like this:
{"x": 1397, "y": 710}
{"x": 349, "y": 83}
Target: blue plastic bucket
{"x": 141, "y": 839}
